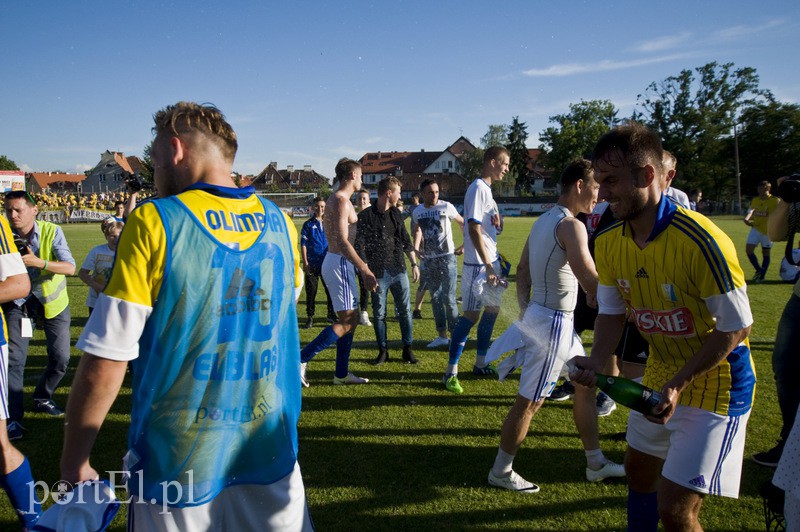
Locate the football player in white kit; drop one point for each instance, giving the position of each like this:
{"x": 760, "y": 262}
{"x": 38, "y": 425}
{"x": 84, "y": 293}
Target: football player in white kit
{"x": 554, "y": 260}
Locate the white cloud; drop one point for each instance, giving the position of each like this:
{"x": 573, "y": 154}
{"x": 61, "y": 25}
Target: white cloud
{"x": 571, "y": 69}
{"x": 83, "y": 167}
{"x": 662, "y": 43}
{"x": 735, "y": 32}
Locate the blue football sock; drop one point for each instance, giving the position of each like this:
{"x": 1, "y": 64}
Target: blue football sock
{"x": 19, "y": 487}
{"x": 754, "y": 261}
{"x": 485, "y": 328}
{"x": 322, "y": 341}
{"x": 642, "y": 511}
{"x": 765, "y": 265}
{"x": 343, "y": 346}
{"x": 459, "y": 339}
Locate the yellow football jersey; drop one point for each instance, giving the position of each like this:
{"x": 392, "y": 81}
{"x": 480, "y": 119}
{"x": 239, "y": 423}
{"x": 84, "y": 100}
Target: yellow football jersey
{"x": 761, "y": 210}
{"x": 687, "y": 264}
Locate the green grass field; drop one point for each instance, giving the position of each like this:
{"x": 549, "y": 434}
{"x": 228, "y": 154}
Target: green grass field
{"x": 401, "y": 453}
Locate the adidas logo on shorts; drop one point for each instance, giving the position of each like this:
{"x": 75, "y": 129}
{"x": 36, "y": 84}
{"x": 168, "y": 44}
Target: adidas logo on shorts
{"x": 642, "y": 274}
{"x": 699, "y": 482}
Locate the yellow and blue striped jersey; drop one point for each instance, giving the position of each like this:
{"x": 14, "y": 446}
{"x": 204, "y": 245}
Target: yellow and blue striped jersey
{"x": 233, "y": 216}
{"x": 685, "y": 283}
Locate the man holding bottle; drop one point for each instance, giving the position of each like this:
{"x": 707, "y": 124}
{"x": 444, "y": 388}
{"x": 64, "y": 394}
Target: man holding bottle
{"x": 679, "y": 275}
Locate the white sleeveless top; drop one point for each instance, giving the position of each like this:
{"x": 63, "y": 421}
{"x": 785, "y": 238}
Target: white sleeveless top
{"x": 554, "y": 284}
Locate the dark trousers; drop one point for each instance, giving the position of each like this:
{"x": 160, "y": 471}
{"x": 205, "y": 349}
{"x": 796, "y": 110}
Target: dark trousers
{"x": 313, "y": 278}
{"x": 57, "y": 337}
{"x": 786, "y": 363}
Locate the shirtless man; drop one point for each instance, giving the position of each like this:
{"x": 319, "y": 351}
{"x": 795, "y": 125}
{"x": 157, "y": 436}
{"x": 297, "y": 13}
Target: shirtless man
{"x": 338, "y": 272}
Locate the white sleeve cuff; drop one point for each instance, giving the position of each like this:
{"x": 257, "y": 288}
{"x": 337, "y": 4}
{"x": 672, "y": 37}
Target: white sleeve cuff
{"x": 11, "y": 264}
{"x": 731, "y": 310}
{"x": 609, "y": 301}
{"x": 114, "y": 329}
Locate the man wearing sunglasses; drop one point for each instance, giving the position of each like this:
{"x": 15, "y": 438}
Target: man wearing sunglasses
{"x": 48, "y": 259}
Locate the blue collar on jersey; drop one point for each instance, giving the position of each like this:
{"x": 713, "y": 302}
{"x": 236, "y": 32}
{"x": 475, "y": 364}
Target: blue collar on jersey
{"x": 666, "y": 210}
{"x": 225, "y": 192}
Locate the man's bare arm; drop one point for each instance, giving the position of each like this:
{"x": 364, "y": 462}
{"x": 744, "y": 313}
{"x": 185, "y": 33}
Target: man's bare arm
{"x": 572, "y": 235}
{"x": 417, "y": 239}
{"x": 15, "y": 287}
{"x": 96, "y": 385}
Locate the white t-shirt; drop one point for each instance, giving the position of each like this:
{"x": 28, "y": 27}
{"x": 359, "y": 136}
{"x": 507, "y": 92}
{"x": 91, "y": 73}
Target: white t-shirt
{"x": 435, "y": 224}
{"x": 99, "y": 262}
{"x": 479, "y": 207}
{"x": 678, "y": 197}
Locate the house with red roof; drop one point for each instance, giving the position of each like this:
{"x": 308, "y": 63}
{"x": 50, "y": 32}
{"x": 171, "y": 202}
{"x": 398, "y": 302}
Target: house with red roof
{"x": 289, "y": 179}
{"x": 53, "y": 182}
{"x": 412, "y": 168}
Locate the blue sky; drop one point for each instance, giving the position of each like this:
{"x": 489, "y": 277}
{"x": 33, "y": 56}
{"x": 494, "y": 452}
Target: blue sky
{"x": 310, "y": 82}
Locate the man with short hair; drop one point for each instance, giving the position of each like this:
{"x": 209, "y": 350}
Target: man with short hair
{"x": 47, "y": 256}
{"x": 669, "y": 164}
{"x": 439, "y": 272}
{"x": 381, "y": 240}
{"x": 554, "y": 261}
{"x": 313, "y": 248}
{"x": 481, "y": 280}
{"x": 202, "y": 299}
{"x": 339, "y": 272}
{"x": 757, "y": 215}
{"x": 678, "y": 274}
{"x": 695, "y": 197}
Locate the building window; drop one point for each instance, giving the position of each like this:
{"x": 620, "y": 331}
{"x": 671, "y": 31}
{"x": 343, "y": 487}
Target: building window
{"x": 450, "y": 164}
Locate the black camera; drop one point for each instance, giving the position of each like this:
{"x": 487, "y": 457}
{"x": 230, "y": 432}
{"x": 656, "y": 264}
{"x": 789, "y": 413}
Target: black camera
{"x": 136, "y": 183}
{"x": 789, "y": 189}
{"x": 22, "y": 244}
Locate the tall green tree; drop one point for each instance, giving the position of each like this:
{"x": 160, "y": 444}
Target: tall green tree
{"x": 470, "y": 164}
{"x": 769, "y": 143}
{"x": 519, "y": 177}
{"x": 575, "y": 133}
{"x": 496, "y": 135}
{"x": 7, "y": 164}
{"x": 694, "y": 113}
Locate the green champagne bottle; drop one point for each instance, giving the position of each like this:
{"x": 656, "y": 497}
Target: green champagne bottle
{"x": 629, "y": 393}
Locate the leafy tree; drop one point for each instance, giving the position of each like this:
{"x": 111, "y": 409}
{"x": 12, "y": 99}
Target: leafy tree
{"x": 694, "y": 113}
{"x": 7, "y": 164}
{"x": 470, "y": 164}
{"x": 497, "y": 135}
{"x": 576, "y": 132}
{"x": 769, "y": 143}
{"x": 518, "y": 175}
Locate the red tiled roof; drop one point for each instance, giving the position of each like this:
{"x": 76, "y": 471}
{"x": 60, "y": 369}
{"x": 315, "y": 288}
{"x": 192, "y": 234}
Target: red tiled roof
{"x": 45, "y": 179}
